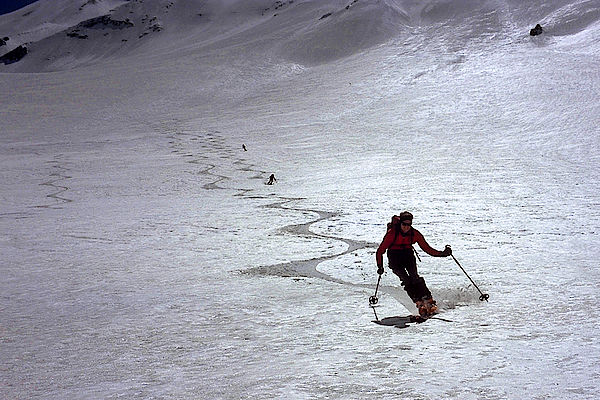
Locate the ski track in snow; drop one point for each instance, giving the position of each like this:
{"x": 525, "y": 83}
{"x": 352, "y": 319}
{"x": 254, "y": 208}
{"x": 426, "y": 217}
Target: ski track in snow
{"x": 57, "y": 181}
{"x": 308, "y": 268}
{"x": 215, "y": 145}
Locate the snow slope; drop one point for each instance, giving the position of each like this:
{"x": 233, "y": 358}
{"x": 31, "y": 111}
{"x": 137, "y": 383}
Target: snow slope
{"x": 143, "y": 256}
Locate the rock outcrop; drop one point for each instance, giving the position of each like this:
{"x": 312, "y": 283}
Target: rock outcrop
{"x": 14, "y": 56}
{"x": 536, "y": 31}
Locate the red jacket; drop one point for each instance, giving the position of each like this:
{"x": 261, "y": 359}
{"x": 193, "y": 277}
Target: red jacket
{"x": 404, "y": 242}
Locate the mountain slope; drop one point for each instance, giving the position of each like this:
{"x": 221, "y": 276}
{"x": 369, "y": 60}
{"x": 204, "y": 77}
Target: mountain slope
{"x": 66, "y": 34}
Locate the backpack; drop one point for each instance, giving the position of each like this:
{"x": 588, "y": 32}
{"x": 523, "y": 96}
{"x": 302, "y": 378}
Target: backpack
{"x": 395, "y": 225}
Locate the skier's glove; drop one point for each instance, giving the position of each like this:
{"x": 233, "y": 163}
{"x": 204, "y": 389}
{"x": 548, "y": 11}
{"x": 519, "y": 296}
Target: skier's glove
{"x": 447, "y": 251}
{"x": 380, "y": 270}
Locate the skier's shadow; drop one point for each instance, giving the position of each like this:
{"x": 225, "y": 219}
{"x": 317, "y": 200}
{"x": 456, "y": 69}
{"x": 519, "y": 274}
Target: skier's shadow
{"x": 403, "y": 321}
{"x": 398, "y": 321}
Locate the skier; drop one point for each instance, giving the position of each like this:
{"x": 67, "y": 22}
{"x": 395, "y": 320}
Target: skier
{"x": 398, "y": 242}
{"x": 272, "y": 179}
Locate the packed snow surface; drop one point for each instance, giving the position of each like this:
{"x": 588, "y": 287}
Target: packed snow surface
{"x": 143, "y": 256}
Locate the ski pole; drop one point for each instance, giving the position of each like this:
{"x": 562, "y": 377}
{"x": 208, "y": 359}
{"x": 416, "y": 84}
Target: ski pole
{"x": 373, "y": 299}
{"x": 484, "y": 296}
{"x": 417, "y": 254}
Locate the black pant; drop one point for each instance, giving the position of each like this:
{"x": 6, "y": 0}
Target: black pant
{"x": 403, "y": 263}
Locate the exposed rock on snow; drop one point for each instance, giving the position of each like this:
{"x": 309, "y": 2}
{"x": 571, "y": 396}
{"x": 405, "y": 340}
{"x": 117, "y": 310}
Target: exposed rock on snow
{"x": 75, "y": 34}
{"x": 87, "y": 3}
{"x": 536, "y": 31}
{"x": 14, "y": 55}
{"x": 277, "y": 6}
{"x": 154, "y": 25}
{"x": 351, "y": 4}
{"x": 105, "y": 21}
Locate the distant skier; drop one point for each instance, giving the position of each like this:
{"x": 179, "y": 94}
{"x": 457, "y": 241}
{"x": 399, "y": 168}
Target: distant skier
{"x": 244, "y": 147}
{"x": 398, "y": 242}
{"x": 272, "y": 179}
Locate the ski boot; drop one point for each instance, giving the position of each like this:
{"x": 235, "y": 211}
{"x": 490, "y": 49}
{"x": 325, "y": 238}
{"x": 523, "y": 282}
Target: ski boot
{"x": 422, "y": 307}
{"x": 431, "y": 306}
